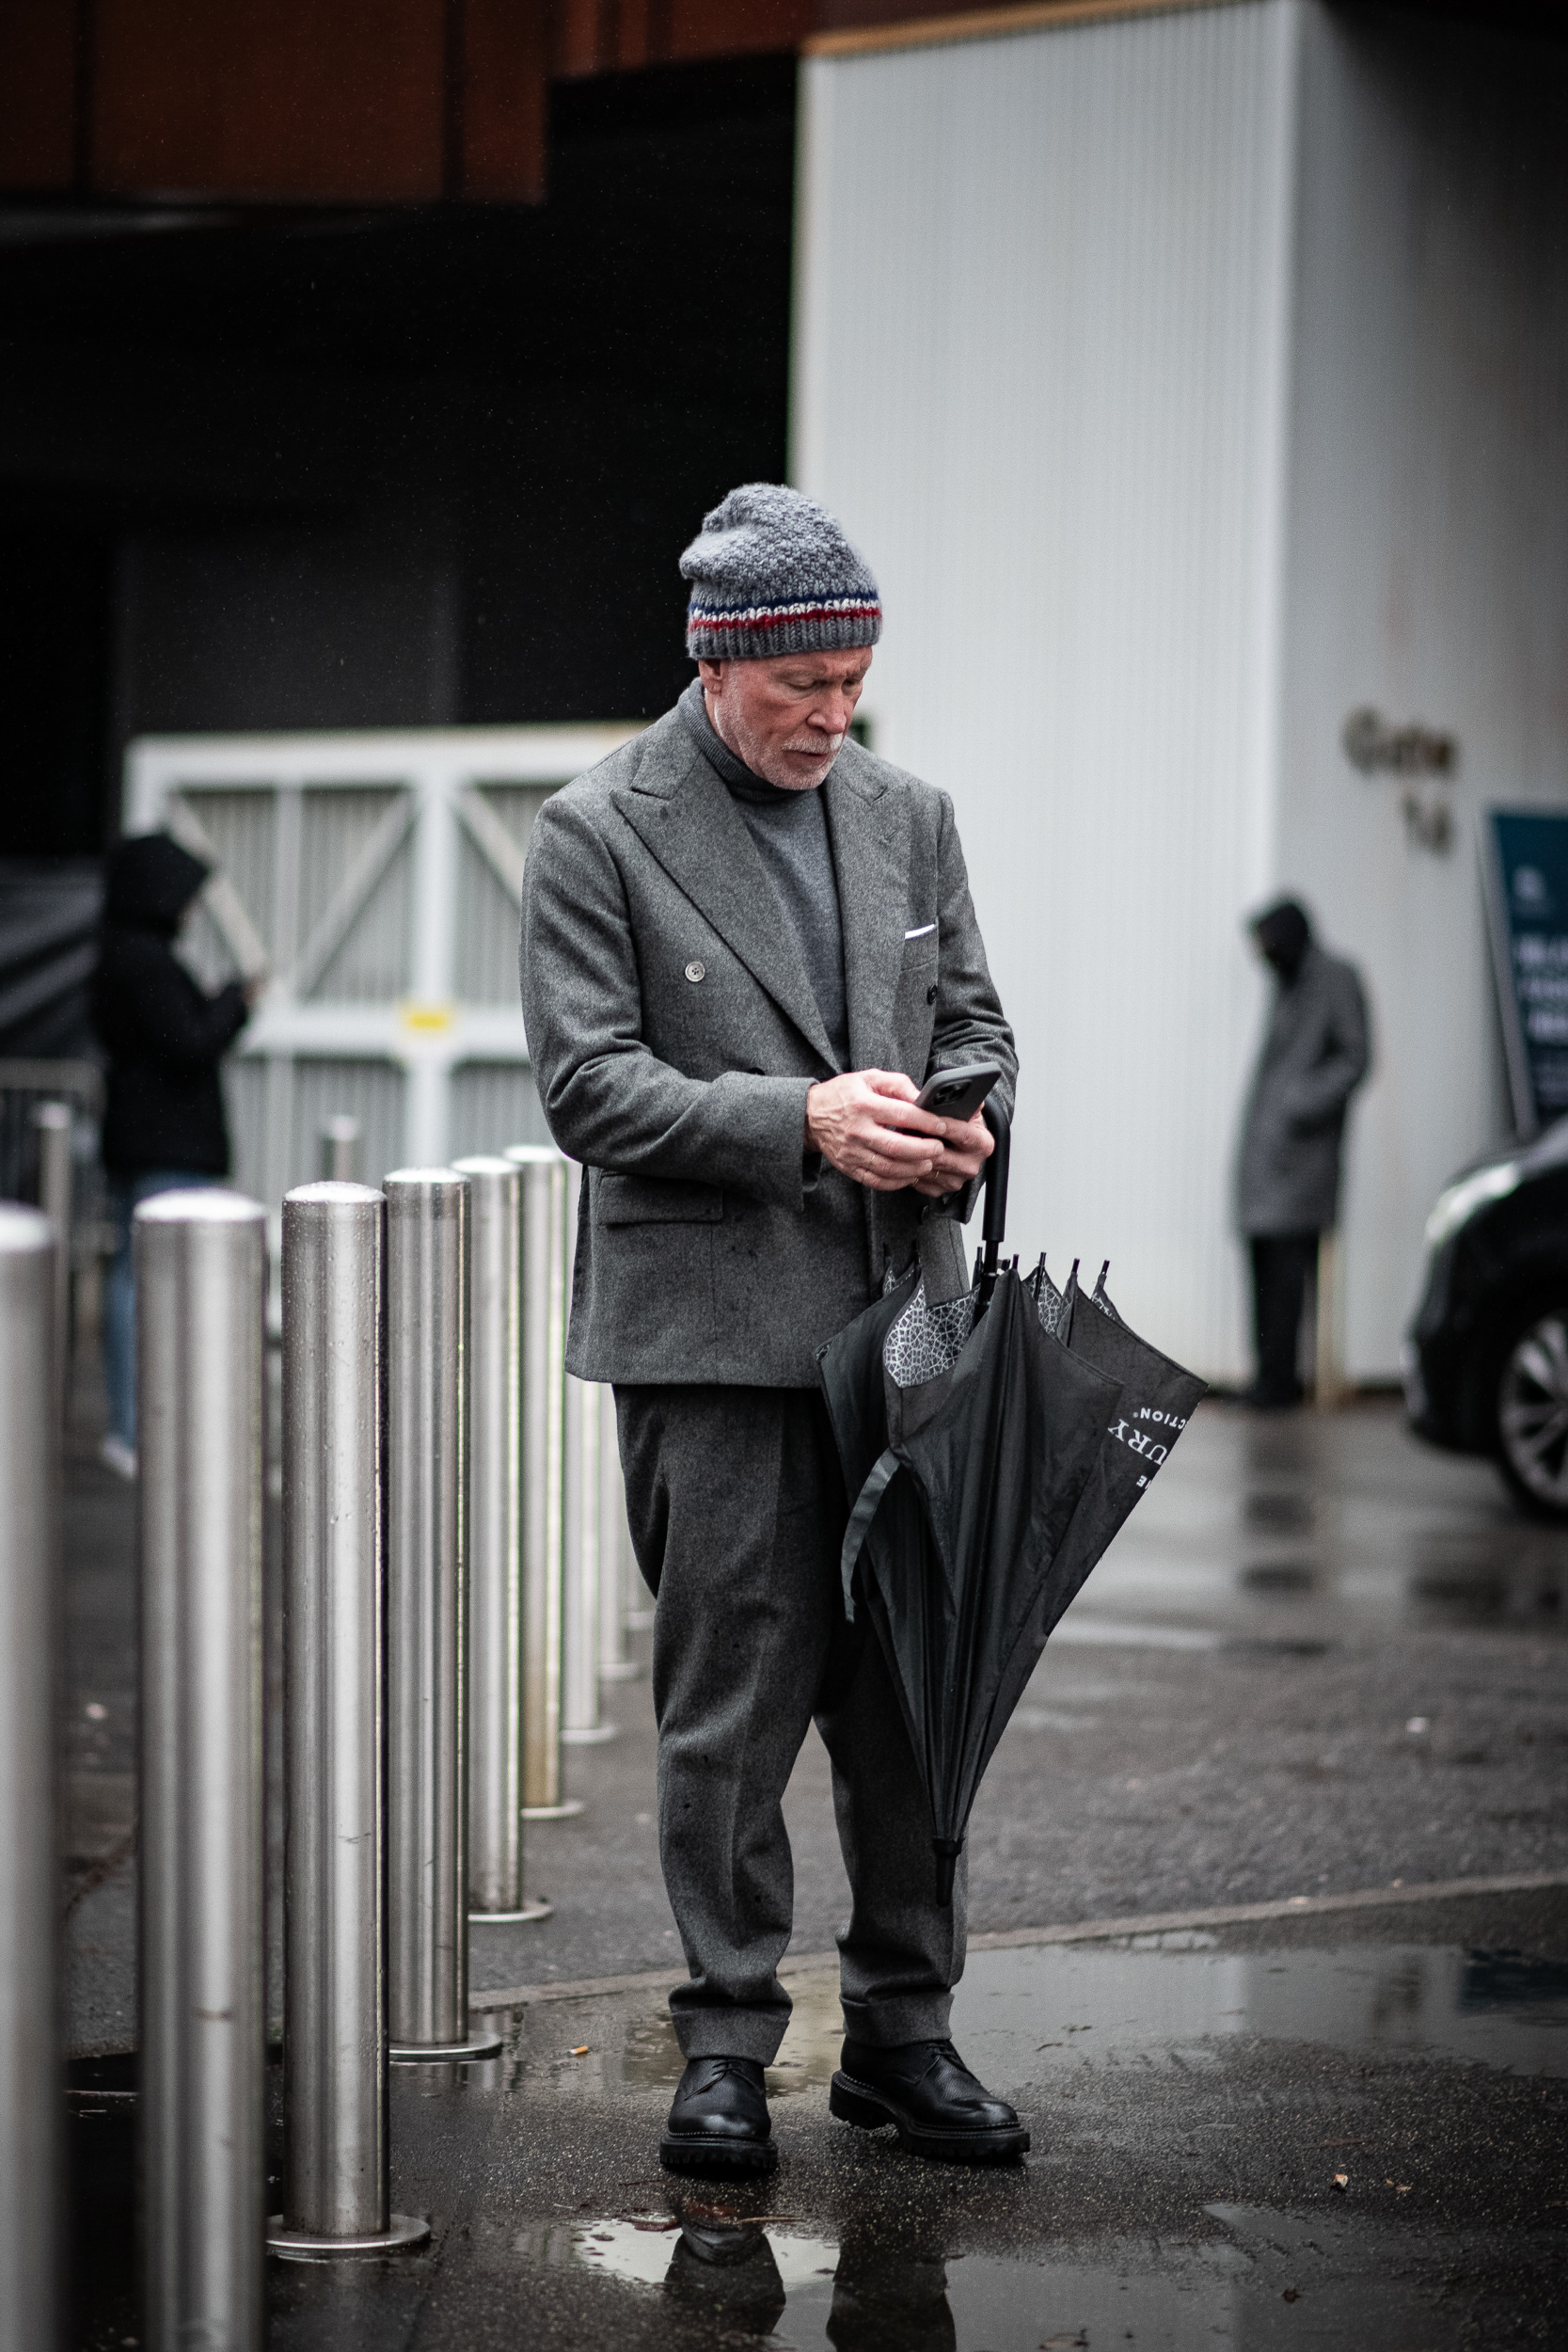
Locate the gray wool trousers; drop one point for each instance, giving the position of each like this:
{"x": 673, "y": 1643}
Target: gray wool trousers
{"x": 737, "y": 1512}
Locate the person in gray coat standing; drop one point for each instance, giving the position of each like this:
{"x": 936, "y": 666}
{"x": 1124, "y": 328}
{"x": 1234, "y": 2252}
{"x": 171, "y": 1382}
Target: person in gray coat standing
{"x": 746, "y": 944}
{"x": 1313, "y": 1058}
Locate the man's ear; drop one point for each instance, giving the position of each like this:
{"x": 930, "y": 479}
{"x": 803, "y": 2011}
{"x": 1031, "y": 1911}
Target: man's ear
{"x": 711, "y": 673}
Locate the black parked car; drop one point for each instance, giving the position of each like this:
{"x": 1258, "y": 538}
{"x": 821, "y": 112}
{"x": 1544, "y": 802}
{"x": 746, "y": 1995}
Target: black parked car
{"x": 1486, "y": 1363}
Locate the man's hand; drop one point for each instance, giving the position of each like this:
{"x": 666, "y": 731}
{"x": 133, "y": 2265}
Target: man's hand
{"x": 865, "y": 1125}
{"x": 968, "y": 1145}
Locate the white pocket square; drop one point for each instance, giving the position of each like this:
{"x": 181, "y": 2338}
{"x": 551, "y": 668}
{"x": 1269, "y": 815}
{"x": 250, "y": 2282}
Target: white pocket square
{"x": 919, "y": 930}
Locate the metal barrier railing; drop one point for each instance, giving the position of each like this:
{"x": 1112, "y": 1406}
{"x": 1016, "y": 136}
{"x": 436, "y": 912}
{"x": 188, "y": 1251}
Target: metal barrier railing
{"x": 23, "y": 1085}
{"x": 201, "y": 1258}
{"x": 29, "y": 2092}
{"x": 48, "y": 1115}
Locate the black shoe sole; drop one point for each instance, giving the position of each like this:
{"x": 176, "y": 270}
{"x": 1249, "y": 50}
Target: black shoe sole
{"x": 870, "y": 2109}
{"x": 688, "y": 2151}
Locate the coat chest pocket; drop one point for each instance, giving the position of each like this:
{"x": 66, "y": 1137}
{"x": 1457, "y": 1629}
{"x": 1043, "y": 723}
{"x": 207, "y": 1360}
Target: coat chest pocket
{"x": 919, "y": 976}
{"x": 655, "y": 1200}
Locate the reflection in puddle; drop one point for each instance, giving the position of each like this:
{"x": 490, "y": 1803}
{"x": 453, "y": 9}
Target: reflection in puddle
{"x": 872, "y": 2289}
{"x": 858, "y": 2292}
{"x": 1022, "y": 2017}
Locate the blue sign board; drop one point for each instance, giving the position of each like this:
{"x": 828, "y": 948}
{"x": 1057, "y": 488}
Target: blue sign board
{"x": 1529, "y": 935}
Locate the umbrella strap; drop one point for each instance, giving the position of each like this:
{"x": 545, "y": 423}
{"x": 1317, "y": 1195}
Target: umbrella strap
{"x": 867, "y": 1503}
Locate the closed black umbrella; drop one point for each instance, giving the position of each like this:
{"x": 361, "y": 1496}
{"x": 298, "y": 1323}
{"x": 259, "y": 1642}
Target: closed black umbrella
{"x": 1157, "y": 1399}
{"x": 968, "y": 1435}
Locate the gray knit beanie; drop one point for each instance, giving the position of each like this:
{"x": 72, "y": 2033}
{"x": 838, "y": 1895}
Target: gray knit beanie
{"x": 771, "y": 572}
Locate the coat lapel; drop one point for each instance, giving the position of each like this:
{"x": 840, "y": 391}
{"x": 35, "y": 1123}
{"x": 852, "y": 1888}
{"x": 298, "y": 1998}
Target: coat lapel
{"x": 870, "y": 832}
{"x": 682, "y": 814}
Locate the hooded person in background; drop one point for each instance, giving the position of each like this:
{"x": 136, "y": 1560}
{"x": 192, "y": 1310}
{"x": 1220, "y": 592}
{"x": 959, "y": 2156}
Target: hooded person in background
{"x": 1313, "y": 1058}
{"x": 163, "y": 1124}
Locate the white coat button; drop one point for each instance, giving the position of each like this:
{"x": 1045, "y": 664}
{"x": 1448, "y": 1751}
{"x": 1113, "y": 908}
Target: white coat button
{"x": 696, "y": 970}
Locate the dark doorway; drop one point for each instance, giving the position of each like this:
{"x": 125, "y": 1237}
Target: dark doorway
{"x": 56, "y": 609}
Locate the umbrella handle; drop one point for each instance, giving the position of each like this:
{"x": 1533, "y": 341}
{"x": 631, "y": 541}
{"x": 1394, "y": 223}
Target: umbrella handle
{"x": 995, "y": 1224}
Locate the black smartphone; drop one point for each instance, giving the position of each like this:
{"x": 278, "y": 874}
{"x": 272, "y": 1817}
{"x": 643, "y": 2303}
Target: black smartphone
{"x": 959, "y": 1093}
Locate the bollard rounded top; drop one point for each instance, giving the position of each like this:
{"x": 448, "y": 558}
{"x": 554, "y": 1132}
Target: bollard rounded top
{"x": 535, "y": 1155}
{"x": 52, "y": 1115}
{"x": 330, "y": 1193}
{"x": 202, "y": 1205}
{"x": 426, "y": 1180}
{"x": 24, "y": 1231}
{"x": 485, "y": 1164}
{"x": 342, "y": 1128}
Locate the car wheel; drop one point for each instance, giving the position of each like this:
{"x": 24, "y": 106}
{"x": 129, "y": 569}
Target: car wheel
{"x": 1533, "y": 1411}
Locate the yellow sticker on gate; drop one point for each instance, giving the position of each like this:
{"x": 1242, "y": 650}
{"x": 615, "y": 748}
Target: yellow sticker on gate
{"x": 430, "y": 1020}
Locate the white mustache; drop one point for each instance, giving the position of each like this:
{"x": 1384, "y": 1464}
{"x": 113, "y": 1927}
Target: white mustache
{"x": 821, "y": 746}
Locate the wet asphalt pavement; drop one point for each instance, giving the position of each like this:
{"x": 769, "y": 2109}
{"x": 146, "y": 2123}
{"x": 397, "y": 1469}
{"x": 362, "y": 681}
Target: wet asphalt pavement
{"x": 1321, "y": 1659}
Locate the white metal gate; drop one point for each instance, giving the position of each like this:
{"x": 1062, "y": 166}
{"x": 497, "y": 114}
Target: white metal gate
{"x": 375, "y": 880}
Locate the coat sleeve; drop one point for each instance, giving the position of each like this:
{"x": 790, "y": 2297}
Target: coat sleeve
{"x": 608, "y": 1100}
{"x": 970, "y": 1023}
{"x": 171, "y": 1018}
{"x": 1317, "y": 1098}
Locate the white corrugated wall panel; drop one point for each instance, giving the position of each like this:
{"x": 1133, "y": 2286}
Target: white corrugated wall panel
{"x": 1042, "y": 359}
{"x": 1427, "y": 571}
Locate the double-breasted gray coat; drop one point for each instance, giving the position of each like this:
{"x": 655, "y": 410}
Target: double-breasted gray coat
{"x": 1314, "y": 1055}
{"x": 675, "y": 1036}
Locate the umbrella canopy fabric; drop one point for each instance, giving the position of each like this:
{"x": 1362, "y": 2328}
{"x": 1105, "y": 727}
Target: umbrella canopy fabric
{"x": 1157, "y": 1399}
{"x": 968, "y": 1435}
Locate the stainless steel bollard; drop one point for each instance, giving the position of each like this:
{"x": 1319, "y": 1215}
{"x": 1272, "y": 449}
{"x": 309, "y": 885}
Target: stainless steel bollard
{"x": 495, "y": 1542}
{"x": 582, "y": 1725}
{"x": 201, "y": 1258}
{"x": 335, "y": 2193}
{"x": 29, "y": 2084}
{"x": 614, "y": 1550}
{"x": 427, "y": 1484}
{"x": 544, "y": 1409}
{"x": 56, "y": 1126}
{"x": 341, "y": 1150}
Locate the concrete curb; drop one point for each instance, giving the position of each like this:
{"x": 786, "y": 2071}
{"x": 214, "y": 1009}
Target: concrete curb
{"x": 1078, "y": 1931}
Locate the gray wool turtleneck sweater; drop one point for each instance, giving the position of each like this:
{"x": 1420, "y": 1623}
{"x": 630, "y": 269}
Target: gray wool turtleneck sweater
{"x": 790, "y": 830}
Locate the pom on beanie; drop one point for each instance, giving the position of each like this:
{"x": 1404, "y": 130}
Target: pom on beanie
{"x": 771, "y": 572}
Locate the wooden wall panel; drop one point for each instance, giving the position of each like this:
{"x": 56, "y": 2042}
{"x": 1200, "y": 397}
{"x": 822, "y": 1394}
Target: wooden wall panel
{"x": 729, "y": 28}
{"x": 579, "y": 46}
{"x": 309, "y": 100}
{"x": 504, "y": 65}
{"x": 37, "y": 93}
{"x": 336, "y": 101}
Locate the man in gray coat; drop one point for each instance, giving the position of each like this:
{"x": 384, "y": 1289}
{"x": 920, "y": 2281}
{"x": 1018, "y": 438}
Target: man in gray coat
{"x": 1313, "y": 1058}
{"x": 746, "y": 944}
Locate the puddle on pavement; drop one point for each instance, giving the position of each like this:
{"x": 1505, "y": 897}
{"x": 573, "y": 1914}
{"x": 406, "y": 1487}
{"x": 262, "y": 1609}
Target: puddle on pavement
{"x": 1034, "y": 2020}
{"x": 1024, "y": 2017}
{"x": 868, "y": 2289}
{"x": 895, "y": 2287}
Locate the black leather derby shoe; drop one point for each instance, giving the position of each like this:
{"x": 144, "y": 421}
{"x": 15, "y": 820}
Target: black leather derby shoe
{"x": 926, "y": 2091}
{"x": 718, "y": 2121}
